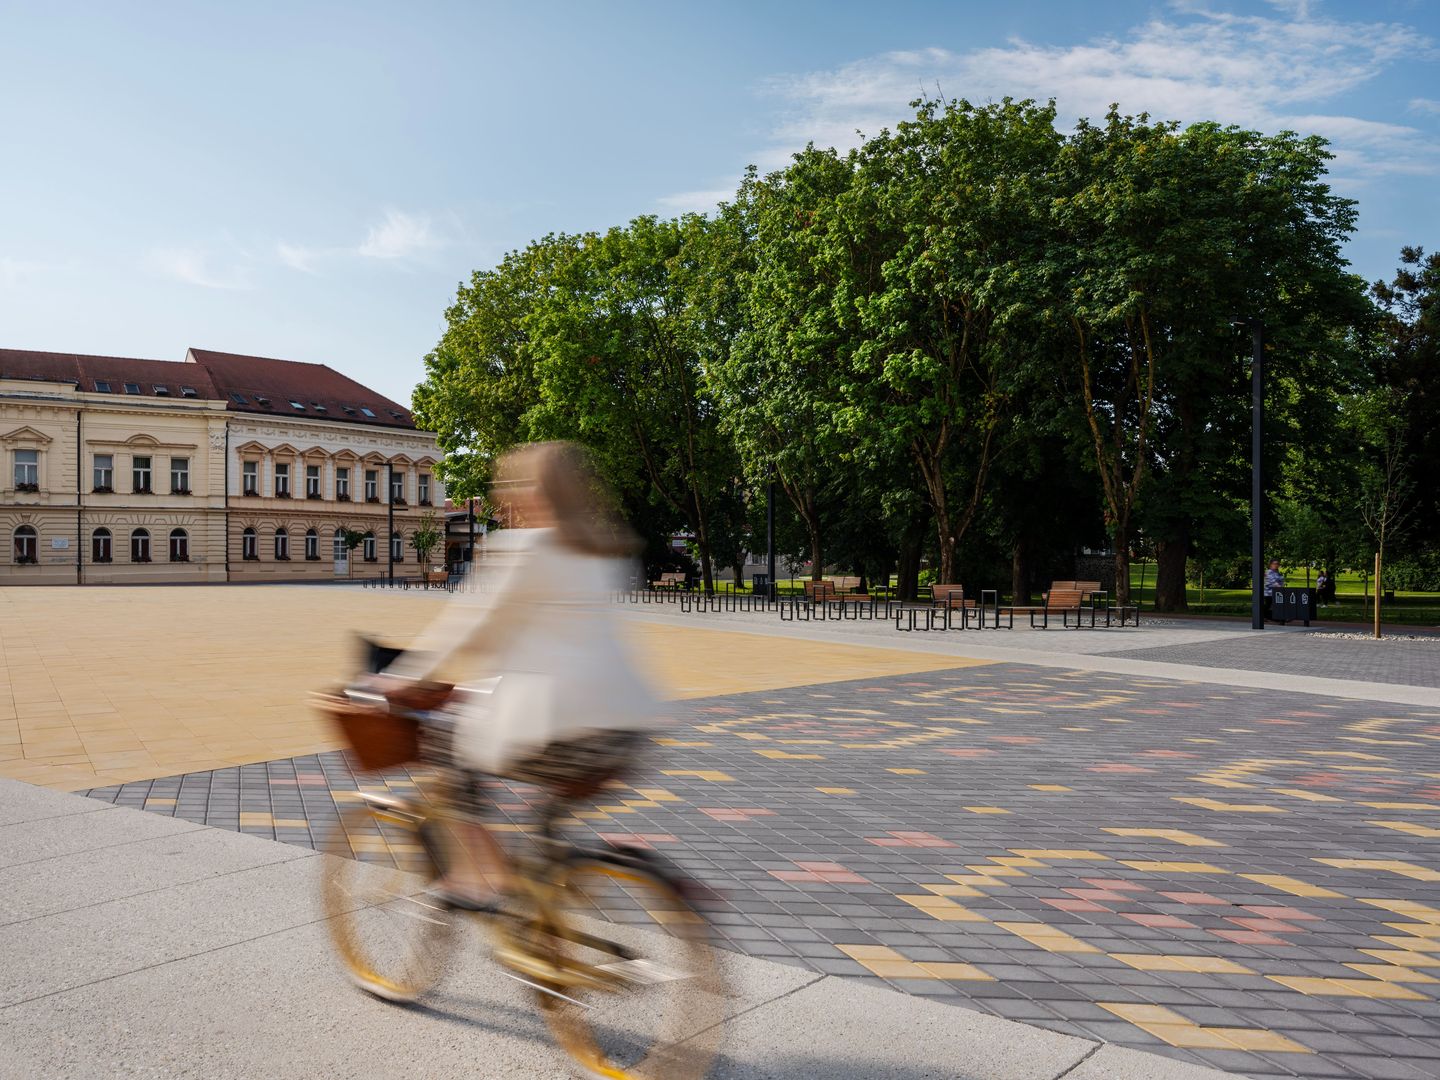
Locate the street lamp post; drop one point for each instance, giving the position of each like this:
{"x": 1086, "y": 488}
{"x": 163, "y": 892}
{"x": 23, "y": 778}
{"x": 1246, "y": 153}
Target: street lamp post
{"x": 1257, "y": 474}
{"x": 770, "y": 536}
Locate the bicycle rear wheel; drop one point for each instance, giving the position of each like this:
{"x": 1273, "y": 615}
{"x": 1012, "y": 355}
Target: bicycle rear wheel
{"x": 635, "y": 1006}
{"x": 390, "y": 935}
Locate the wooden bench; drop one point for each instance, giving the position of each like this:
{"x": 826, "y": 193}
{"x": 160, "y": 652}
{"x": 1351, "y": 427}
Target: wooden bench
{"x": 1063, "y": 599}
{"x": 438, "y": 576}
{"x": 670, "y": 581}
{"x": 949, "y": 598}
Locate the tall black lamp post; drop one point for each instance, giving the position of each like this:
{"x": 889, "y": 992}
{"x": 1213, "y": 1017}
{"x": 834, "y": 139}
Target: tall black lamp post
{"x": 1257, "y": 472}
{"x": 390, "y": 540}
{"x": 770, "y": 535}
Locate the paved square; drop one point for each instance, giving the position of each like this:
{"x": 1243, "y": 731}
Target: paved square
{"x": 1234, "y": 876}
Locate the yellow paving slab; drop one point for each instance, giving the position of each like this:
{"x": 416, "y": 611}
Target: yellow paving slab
{"x": 102, "y": 686}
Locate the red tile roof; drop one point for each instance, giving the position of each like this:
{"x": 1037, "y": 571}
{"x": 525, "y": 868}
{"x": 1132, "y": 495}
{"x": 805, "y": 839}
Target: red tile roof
{"x": 86, "y": 371}
{"x": 268, "y": 387}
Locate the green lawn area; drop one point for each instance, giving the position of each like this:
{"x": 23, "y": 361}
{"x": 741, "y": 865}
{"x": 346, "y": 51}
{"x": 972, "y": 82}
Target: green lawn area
{"x": 1407, "y": 608}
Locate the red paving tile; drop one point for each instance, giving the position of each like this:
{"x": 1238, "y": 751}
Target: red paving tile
{"x": 1197, "y": 898}
{"x": 1160, "y": 922}
{"x": 1075, "y": 905}
{"x": 1250, "y": 937}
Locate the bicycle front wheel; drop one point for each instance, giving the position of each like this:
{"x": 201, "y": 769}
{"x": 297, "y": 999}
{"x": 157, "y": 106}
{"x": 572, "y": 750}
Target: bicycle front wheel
{"x": 390, "y": 935}
{"x": 634, "y": 1005}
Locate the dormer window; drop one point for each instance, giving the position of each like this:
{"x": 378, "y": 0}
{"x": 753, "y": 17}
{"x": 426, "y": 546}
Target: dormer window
{"x": 367, "y": 412}
{"x": 239, "y": 399}
{"x": 132, "y": 387}
{"x": 102, "y": 387}
{"x": 297, "y": 405}
{"x": 318, "y": 407}
{"x": 262, "y": 401}
{"x": 162, "y": 391}
{"x": 349, "y": 409}
{"x": 188, "y": 391}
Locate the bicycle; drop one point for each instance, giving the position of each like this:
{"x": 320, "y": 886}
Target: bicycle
{"x": 594, "y": 989}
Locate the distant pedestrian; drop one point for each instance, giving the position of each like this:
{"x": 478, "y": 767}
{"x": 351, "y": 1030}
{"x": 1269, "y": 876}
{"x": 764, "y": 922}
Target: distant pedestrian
{"x": 1322, "y": 582}
{"x": 1329, "y": 594}
{"x": 1274, "y": 579}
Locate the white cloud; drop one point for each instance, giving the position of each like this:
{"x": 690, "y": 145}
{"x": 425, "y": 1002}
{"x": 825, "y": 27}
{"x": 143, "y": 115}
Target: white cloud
{"x": 697, "y": 202}
{"x": 13, "y": 271}
{"x": 299, "y": 258}
{"x": 399, "y": 236}
{"x": 1425, "y": 105}
{"x": 1269, "y": 71}
{"x": 194, "y": 267}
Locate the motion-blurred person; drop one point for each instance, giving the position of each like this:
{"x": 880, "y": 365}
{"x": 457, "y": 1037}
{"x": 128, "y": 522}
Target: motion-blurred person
{"x": 1274, "y": 579}
{"x": 568, "y": 709}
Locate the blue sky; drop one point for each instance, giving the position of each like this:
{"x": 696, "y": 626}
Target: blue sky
{"x": 311, "y": 180}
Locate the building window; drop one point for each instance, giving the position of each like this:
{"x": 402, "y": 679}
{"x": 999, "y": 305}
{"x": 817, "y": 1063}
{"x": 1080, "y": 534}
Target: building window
{"x": 338, "y": 548}
{"x": 342, "y": 484}
{"x": 424, "y": 489}
{"x": 132, "y": 387}
{"x": 372, "y": 486}
{"x": 140, "y": 546}
{"x": 101, "y": 386}
{"x": 282, "y": 481}
{"x": 179, "y": 476}
{"x": 312, "y": 545}
{"x": 27, "y": 470}
{"x": 312, "y": 481}
{"x": 397, "y": 488}
{"x": 104, "y": 472}
{"x": 367, "y": 412}
{"x": 369, "y": 547}
{"x": 397, "y": 547}
{"x": 282, "y": 545}
{"x": 140, "y": 475}
{"x": 249, "y": 547}
{"x": 250, "y": 477}
{"x": 179, "y": 546}
{"x": 26, "y": 544}
{"x": 100, "y": 546}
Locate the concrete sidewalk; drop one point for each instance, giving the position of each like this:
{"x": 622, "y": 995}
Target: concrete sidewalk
{"x": 142, "y": 945}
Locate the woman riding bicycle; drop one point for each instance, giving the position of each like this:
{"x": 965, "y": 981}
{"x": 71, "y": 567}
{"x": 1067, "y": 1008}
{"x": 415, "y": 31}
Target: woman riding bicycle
{"x": 568, "y": 710}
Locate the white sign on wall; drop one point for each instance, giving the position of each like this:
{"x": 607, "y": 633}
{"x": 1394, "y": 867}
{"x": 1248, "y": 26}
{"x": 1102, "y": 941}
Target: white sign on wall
{"x": 60, "y": 543}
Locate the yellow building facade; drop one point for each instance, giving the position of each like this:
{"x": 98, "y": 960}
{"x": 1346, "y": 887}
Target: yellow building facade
{"x": 218, "y": 468}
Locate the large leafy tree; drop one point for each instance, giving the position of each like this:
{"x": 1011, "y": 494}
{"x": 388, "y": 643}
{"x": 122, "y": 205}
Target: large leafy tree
{"x": 934, "y": 238}
{"x": 1163, "y": 236}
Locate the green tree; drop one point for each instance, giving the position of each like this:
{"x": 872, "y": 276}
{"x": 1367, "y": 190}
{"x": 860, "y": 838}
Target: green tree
{"x": 427, "y": 536}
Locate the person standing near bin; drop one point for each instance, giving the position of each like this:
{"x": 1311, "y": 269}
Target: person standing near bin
{"x": 1274, "y": 579}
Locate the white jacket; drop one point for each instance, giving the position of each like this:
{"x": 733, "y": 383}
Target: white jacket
{"x": 540, "y": 617}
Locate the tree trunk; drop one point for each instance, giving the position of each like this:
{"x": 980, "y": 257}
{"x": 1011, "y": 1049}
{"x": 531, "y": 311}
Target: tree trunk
{"x": 1122, "y": 570}
{"x": 912, "y": 548}
{"x": 1020, "y": 572}
{"x": 1170, "y": 556}
{"x": 817, "y": 564}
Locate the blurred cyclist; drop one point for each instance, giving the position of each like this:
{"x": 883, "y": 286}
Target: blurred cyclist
{"x": 568, "y": 710}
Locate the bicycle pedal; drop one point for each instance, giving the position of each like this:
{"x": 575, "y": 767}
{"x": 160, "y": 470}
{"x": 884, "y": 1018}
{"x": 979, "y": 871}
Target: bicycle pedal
{"x": 642, "y": 972}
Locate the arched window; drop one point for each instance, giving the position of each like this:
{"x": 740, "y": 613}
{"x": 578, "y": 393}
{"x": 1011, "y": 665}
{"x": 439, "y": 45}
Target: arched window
{"x": 140, "y": 545}
{"x": 397, "y": 546}
{"x": 179, "y": 546}
{"x": 26, "y": 544}
{"x": 282, "y": 545}
{"x": 338, "y": 548}
{"x": 312, "y": 545}
{"x": 100, "y": 546}
{"x": 369, "y": 547}
{"x": 249, "y": 546}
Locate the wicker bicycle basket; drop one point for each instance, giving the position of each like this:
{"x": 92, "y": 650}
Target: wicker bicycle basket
{"x": 378, "y": 738}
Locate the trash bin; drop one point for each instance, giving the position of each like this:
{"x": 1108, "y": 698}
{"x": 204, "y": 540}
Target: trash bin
{"x": 760, "y": 584}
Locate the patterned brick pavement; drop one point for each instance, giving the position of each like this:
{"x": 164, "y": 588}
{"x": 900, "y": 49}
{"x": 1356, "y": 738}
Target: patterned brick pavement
{"x": 1232, "y": 876}
{"x": 1412, "y": 663}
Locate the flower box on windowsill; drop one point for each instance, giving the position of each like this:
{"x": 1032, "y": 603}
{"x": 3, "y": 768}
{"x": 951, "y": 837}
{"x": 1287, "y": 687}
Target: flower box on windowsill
{"x": 372, "y": 558}
{"x": 314, "y": 495}
{"x": 99, "y": 561}
{"x": 399, "y": 502}
{"x": 181, "y": 491}
{"x": 33, "y": 489}
{"x": 27, "y": 560}
{"x": 142, "y": 491}
{"x": 426, "y": 502}
{"x": 282, "y": 558}
{"x": 250, "y": 558}
{"x": 372, "y": 498}
{"x": 312, "y": 558}
{"x": 179, "y": 558}
{"x": 342, "y": 498}
{"x": 145, "y": 559}
{"x": 104, "y": 489}
{"x": 249, "y": 493}
{"x": 282, "y": 494}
